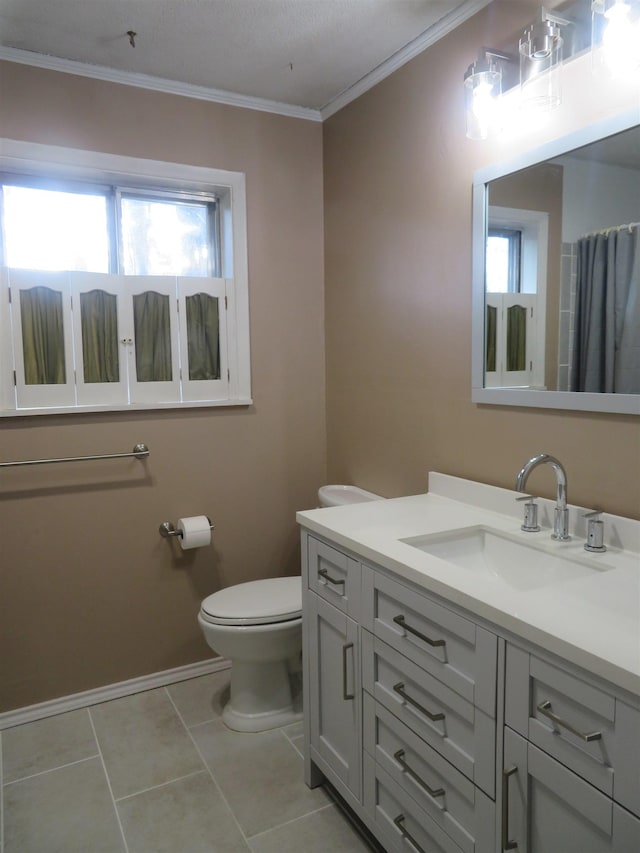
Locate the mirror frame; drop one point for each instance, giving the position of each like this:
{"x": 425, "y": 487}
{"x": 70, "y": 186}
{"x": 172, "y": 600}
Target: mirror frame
{"x": 530, "y": 397}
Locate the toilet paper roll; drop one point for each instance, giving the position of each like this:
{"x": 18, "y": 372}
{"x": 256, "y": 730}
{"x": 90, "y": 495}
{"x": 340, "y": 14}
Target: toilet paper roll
{"x": 195, "y": 530}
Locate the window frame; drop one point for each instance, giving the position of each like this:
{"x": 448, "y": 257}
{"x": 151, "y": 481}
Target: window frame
{"x": 55, "y": 164}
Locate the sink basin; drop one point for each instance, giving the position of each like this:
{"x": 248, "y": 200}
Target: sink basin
{"x": 502, "y": 557}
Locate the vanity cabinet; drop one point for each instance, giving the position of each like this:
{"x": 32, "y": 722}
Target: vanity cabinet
{"x": 443, "y": 734}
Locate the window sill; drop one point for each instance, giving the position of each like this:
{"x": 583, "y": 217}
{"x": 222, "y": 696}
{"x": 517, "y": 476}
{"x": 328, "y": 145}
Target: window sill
{"x": 137, "y": 407}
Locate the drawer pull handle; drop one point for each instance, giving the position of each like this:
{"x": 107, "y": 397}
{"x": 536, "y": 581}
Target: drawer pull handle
{"x": 545, "y": 709}
{"x": 399, "y": 620}
{"x": 345, "y": 689}
{"x": 399, "y": 689}
{"x": 335, "y": 581}
{"x": 399, "y": 822}
{"x": 506, "y": 843}
{"x": 433, "y": 792}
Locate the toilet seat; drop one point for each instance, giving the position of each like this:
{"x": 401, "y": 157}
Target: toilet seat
{"x": 261, "y": 602}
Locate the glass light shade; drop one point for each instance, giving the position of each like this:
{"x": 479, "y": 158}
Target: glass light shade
{"x": 615, "y": 37}
{"x": 541, "y": 66}
{"x": 482, "y": 90}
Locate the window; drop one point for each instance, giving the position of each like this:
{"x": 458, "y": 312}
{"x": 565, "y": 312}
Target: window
{"x": 503, "y": 260}
{"x": 515, "y": 285}
{"x": 119, "y": 295}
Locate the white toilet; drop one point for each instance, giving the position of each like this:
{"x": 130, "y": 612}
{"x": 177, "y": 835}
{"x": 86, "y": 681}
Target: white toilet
{"x": 258, "y": 627}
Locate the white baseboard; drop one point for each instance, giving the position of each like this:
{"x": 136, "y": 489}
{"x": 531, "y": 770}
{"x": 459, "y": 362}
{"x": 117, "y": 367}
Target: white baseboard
{"x": 30, "y": 713}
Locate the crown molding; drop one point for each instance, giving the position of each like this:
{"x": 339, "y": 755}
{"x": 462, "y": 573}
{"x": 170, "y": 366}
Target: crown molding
{"x": 444, "y": 26}
{"x": 220, "y": 96}
{"x": 157, "y": 84}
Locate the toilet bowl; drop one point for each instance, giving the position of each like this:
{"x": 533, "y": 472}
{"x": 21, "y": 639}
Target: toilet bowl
{"x": 258, "y": 627}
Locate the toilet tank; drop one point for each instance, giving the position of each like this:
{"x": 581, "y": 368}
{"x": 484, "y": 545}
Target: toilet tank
{"x": 342, "y": 495}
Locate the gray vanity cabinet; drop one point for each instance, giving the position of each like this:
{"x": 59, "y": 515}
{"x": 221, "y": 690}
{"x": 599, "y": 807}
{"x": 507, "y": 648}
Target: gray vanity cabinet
{"x": 412, "y": 708}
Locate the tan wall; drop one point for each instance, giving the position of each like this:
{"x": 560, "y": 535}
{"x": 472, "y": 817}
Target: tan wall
{"x": 89, "y": 592}
{"x": 398, "y": 174}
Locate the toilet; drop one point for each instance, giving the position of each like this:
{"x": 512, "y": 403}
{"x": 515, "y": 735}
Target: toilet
{"x": 258, "y": 627}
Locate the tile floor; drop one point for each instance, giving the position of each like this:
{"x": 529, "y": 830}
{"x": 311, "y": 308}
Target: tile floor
{"x": 156, "y": 772}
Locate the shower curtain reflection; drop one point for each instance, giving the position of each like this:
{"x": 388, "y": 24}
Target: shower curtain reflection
{"x": 606, "y": 338}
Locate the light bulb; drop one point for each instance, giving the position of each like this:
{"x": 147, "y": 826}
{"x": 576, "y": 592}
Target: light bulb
{"x": 483, "y": 106}
{"x": 620, "y": 39}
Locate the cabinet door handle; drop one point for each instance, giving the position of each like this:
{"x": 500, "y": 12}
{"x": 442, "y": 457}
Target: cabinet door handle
{"x": 399, "y": 689}
{"x": 506, "y": 843}
{"x": 345, "y": 689}
{"x": 433, "y": 792}
{"x": 399, "y": 822}
{"x": 400, "y": 620}
{"x": 545, "y": 709}
{"x": 335, "y": 581}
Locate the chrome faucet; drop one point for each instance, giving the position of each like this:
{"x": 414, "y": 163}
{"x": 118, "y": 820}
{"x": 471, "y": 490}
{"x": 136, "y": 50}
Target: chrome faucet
{"x": 561, "y": 517}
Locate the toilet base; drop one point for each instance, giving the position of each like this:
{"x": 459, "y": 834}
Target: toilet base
{"x": 259, "y": 722}
{"x": 263, "y": 696}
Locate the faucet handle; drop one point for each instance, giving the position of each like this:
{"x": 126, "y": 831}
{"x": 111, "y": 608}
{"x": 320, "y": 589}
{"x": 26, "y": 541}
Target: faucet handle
{"x": 530, "y": 523}
{"x": 595, "y": 532}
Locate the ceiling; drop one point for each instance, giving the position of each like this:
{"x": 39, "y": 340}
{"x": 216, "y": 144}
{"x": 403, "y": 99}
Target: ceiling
{"x": 296, "y": 55}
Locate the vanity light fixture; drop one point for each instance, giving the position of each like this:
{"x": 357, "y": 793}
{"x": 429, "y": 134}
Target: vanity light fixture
{"x": 615, "y": 36}
{"x": 540, "y": 51}
{"x": 483, "y": 90}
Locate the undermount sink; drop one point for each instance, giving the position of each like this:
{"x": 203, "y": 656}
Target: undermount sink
{"x": 502, "y": 557}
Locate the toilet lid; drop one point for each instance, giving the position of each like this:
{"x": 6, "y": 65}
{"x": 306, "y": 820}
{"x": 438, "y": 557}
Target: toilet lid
{"x": 256, "y": 602}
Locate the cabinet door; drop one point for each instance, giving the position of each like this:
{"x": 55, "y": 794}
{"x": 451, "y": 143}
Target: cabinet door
{"x": 335, "y": 694}
{"x": 547, "y": 808}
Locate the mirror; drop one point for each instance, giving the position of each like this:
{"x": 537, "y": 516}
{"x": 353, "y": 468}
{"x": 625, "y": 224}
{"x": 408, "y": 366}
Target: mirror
{"x": 556, "y": 274}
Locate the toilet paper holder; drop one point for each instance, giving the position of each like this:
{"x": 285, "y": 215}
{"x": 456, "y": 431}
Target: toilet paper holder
{"x": 167, "y": 529}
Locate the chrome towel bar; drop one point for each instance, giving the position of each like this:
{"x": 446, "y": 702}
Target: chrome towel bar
{"x": 140, "y": 451}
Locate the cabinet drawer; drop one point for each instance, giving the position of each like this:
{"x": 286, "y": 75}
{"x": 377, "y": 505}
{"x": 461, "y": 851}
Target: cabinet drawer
{"x": 400, "y": 824}
{"x": 464, "y": 735}
{"x": 451, "y": 800}
{"x": 334, "y": 577}
{"x": 591, "y": 731}
{"x": 453, "y": 649}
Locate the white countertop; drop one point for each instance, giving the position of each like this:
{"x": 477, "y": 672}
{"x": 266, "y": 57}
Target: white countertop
{"x": 592, "y": 621}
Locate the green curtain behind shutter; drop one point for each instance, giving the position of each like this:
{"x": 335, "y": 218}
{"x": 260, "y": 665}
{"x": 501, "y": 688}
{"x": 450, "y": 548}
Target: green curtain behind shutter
{"x": 42, "y": 336}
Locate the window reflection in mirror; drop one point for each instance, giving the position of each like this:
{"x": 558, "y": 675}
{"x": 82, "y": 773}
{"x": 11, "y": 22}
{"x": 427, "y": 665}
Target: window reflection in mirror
{"x": 562, "y": 272}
